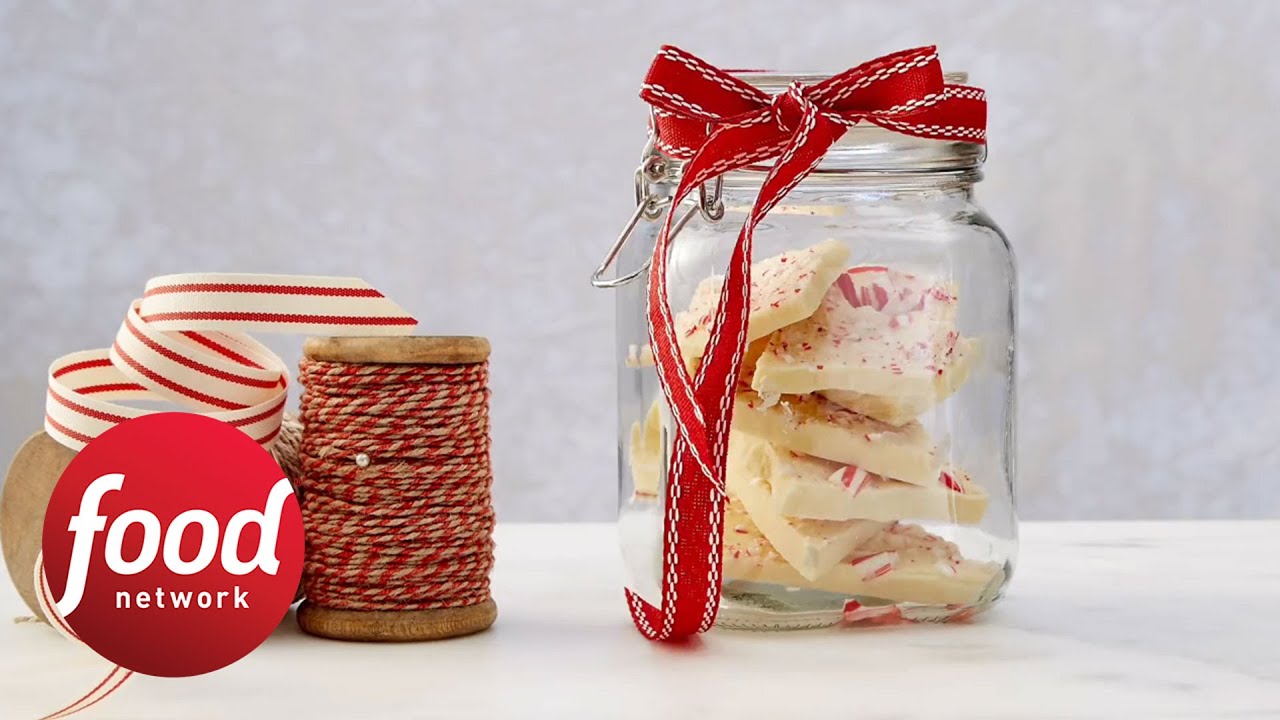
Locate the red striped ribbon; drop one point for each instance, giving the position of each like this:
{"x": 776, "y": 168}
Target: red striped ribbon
{"x": 99, "y": 692}
{"x": 185, "y": 342}
{"x": 719, "y": 123}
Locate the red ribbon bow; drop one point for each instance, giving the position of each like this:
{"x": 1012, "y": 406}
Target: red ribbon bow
{"x": 719, "y": 123}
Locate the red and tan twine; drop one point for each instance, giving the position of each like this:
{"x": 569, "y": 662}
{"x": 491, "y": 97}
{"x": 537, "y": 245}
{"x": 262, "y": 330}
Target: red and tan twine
{"x": 395, "y": 485}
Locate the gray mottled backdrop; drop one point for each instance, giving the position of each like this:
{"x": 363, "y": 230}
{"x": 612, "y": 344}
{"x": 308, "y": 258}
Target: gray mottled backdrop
{"x": 473, "y": 159}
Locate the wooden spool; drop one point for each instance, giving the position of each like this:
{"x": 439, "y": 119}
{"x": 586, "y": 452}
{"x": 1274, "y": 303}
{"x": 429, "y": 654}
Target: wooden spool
{"x": 389, "y": 625}
{"x": 27, "y": 488}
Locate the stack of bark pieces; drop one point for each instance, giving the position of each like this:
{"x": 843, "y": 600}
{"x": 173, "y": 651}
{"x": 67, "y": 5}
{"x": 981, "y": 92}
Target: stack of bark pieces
{"x": 827, "y": 459}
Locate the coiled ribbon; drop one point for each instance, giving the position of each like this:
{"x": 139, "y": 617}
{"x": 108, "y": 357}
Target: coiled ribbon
{"x": 186, "y": 341}
{"x": 719, "y": 123}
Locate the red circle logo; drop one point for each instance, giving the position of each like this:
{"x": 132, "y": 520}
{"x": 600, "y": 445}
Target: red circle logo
{"x": 173, "y": 544}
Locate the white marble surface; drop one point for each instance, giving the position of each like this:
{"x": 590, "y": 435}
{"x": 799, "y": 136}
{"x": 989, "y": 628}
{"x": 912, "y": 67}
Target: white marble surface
{"x": 1142, "y": 621}
{"x": 474, "y": 159}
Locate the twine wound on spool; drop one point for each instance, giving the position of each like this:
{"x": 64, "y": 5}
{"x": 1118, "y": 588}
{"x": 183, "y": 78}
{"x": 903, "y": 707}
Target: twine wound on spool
{"x": 285, "y": 448}
{"x": 395, "y": 479}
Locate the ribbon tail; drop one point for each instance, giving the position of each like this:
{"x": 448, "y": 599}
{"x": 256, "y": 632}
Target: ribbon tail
{"x": 702, "y": 406}
{"x": 695, "y": 475}
{"x": 108, "y": 685}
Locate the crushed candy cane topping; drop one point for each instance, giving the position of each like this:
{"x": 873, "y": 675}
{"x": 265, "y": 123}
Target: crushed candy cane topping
{"x": 880, "y": 318}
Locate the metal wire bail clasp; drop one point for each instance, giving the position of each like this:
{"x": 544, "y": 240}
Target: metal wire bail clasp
{"x": 653, "y": 170}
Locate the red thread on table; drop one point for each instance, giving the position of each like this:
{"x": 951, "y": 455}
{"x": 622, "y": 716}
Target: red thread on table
{"x": 412, "y": 529}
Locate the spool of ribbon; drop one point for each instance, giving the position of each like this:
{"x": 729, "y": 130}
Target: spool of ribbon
{"x": 718, "y": 123}
{"x": 185, "y": 341}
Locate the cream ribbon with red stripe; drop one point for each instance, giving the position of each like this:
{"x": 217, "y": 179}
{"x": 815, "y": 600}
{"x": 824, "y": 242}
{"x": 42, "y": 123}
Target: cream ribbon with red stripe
{"x": 185, "y": 342}
{"x": 108, "y": 685}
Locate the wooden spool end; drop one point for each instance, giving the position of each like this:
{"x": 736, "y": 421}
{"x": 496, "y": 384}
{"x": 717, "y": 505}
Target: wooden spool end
{"x": 439, "y": 350}
{"x": 396, "y": 625}
{"x": 27, "y": 488}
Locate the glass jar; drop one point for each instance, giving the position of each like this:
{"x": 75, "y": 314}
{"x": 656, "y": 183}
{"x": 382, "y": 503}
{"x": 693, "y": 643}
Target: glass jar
{"x": 870, "y": 474}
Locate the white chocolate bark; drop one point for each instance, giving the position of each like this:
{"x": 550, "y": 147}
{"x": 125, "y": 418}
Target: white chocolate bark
{"x": 645, "y": 451}
{"x": 902, "y": 563}
{"x": 812, "y": 547}
{"x": 811, "y": 425}
{"x": 882, "y": 342}
{"x": 903, "y": 408}
{"x": 785, "y": 289}
{"x": 802, "y": 486}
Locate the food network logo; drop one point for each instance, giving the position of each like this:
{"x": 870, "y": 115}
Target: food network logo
{"x": 173, "y": 544}
{"x": 88, "y": 522}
